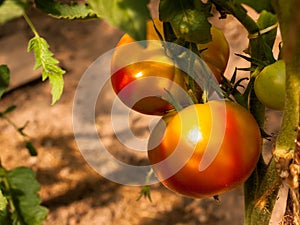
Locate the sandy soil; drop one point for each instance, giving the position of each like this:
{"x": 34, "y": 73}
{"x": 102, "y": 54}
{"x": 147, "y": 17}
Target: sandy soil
{"x": 70, "y": 188}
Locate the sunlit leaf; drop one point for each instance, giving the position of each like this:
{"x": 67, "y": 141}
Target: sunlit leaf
{"x": 3, "y": 201}
{"x": 11, "y": 9}
{"x": 65, "y": 11}
{"x": 128, "y": 15}
{"x": 44, "y": 59}
{"x": 188, "y": 22}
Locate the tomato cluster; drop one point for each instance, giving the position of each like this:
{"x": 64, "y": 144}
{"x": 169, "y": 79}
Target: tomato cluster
{"x": 203, "y": 149}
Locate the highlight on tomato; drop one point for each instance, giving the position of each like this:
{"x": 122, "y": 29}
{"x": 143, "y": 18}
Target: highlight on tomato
{"x": 205, "y": 149}
{"x": 132, "y": 66}
{"x": 269, "y": 85}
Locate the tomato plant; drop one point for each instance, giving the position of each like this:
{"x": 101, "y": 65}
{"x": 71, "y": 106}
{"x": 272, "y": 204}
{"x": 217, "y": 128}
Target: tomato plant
{"x": 269, "y": 85}
{"x": 214, "y": 53}
{"x": 187, "y": 136}
{"x": 189, "y": 26}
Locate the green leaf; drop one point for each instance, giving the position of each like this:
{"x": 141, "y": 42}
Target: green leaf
{"x": 265, "y": 21}
{"x": 257, "y": 5}
{"x": 11, "y": 9}
{"x": 30, "y": 147}
{"x": 128, "y": 15}
{"x": 145, "y": 192}
{"x": 24, "y": 193}
{"x": 4, "y": 217}
{"x": 188, "y": 21}
{"x": 9, "y": 109}
{"x": 44, "y": 59}
{"x": 4, "y": 79}
{"x": 3, "y": 201}
{"x": 64, "y": 11}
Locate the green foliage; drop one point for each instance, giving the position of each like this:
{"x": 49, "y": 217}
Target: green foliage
{"x": 4, "y": 79}
{"x": 265, "y": 21}
{"x": 188, "y": 21}
{"x": 64, "y": 11}
{"x": 30, "y": 147}
{"x": 3, "y": 201}
{"x": 45, "y": 60}
{"x": 7, "y": 110}
{"x": 11, "y": 9}
{"x": 20, "y": 189}
{"x": 128, "y": 15}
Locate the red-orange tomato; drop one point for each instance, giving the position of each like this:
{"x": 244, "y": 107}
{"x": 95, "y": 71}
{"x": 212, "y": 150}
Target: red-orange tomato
{"x": 203, "y": 150}
{"x": 142, "y": 89}
{"x": 141, "y": 63}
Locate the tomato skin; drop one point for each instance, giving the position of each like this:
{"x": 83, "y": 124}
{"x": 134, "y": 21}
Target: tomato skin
{"x": 142, "y": 63}
{"x": 131, "y": 84}
{"x": 269, "y": 85}
{"x": 236, "y": 159}
{"x": 152, "y": 61}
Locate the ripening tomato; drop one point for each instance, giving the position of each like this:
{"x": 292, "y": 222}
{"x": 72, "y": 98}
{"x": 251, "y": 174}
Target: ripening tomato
{"x": 144, "y": 90}
{"x": 216, "y": 52}
{"x": 148, "y": 75}
{"x": 205, "y": 149}
{"x": 143, "y": 63}
{"x": 269, "y": 85}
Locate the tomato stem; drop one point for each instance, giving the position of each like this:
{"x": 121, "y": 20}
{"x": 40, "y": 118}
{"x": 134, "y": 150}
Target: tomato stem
{"x": 284, "y": 152}
{"x": 262, "y": 187}
{"x": 32, "y": 27}
{"x": 285, "y": 144}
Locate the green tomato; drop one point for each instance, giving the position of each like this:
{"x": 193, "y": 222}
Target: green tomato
{"x": 269, "y": 85}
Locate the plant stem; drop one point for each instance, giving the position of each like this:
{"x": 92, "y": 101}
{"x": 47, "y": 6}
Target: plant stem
{"x": 284, "y": 151}
{"x": 290, "y": 30}
{"x": 7, "y": 189}
{"x": 262, "y": 187}
{"x": 32, "y": 27}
